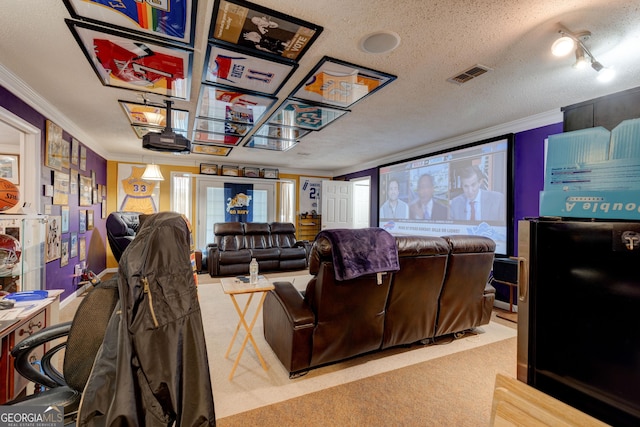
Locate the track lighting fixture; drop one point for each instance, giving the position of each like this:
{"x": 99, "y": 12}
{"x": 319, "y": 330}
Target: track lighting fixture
{"x": 575, "y": 42}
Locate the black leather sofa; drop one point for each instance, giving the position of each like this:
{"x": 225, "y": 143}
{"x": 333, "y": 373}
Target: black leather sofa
{"x": 273, "y": 245}
{"x": 440, "y": 289}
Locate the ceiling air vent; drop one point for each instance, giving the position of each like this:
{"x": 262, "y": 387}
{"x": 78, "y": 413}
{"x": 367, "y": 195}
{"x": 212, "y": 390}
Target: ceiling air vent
{"x": 471, "y": 73}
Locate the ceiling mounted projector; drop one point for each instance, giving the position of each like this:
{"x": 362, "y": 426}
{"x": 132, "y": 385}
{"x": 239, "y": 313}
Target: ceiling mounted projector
{"x": 167, "y": 140}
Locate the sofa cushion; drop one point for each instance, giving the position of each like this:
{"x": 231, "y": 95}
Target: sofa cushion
{"x": 242, "y": 256}
{"x": 257, "y": 236}
{"x": 229, "y": 236}
{"x": 283, "y": 234}
{"x": 293, "y": 253}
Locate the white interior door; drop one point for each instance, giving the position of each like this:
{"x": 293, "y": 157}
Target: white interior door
{"x": 337, "y": 204}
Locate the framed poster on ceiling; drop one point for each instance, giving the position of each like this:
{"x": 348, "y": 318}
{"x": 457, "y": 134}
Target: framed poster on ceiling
{"x": 215, "y": 138}
{"x": 270, "y": 143}
{"x": 221, "y": 126}
{"x": 282, "y": 132}
{"x": 212, "y": 150}
{"x": 341, "y": 84}
{"x": 239, "y": 69}
{"x": 224, "y": 103}
{"x": 154, "y": 115}
{"x": 131, "y": 62}
{"x": 172, "y": 20}
{"x": 305, "y": 115}
{"x": 262, "y": 30}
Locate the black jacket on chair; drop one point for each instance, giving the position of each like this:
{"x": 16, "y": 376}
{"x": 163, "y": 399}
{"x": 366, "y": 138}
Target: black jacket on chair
{"x": 152, "y": 369}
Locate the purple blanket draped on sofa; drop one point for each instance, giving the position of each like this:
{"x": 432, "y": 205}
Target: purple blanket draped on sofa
{"x": 357, "y": 252}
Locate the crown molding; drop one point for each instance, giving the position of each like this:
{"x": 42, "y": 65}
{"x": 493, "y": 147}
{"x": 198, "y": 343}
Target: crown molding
{"x": 520, "y": 125}
{"x": 23, "y": 91}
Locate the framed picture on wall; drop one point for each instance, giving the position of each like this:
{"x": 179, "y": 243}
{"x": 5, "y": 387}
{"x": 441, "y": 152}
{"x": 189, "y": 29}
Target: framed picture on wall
{"x": 86, "y": 191}
{"x": 64, "y": 254}
{"x": 75, "y": 151}
{"x": 60, "y": 188}
{"x": 53, "y": 248}
{"x": 83, "y": 158}
{"x": 9, "y": 168}
{"x": 251, "y": 172}
{"x": 82, "y": 248}
{"x": 228, "y": 170}
{"x": 66, "y": 153}
{"x": 64, "y": 214}
{"x": 208, "y": 169}
{"x": 82, "y": 221}
{"x": 53, "y": 154}
{"x": 73, "y": 245}
{"x": 90, "y": 219}
{"x": 270, "y": 173}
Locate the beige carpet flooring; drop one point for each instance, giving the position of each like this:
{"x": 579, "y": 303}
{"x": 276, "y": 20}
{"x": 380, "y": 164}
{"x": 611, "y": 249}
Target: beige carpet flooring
{"x": 252, "y": 387}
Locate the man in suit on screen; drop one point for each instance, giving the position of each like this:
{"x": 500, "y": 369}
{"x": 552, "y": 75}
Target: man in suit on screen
{"x": 476, "y": 204}
{"x": 426, "y": 207}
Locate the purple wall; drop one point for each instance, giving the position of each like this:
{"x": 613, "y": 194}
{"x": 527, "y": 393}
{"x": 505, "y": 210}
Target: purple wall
{"x": 529, "y": 173}
{"x": 58, "y": 277}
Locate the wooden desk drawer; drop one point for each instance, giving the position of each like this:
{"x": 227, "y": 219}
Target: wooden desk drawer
{"x": 25, "y": 330}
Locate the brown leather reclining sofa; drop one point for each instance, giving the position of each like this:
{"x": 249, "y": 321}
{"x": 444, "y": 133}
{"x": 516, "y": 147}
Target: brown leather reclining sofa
{"x": 273, "y": 245}
{"x": 441, "y": 288}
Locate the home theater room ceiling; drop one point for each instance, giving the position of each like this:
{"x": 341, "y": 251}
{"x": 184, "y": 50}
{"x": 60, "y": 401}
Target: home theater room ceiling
{"x": 421, "y": 111}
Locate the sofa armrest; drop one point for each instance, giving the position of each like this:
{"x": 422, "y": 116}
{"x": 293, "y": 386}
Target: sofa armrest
{"x": 213, "y": 259}
{"x": 489, "y": 289}
{"x": 288, "y": 324}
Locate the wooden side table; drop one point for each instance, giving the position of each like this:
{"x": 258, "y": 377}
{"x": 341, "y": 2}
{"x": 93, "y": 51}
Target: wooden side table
{"x": 232, "y": 286}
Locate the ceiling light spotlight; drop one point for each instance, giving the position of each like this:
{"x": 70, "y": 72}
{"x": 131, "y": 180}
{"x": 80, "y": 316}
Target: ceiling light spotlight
{"x": 567, "y": 42}
{"x": 581, "y": 60}
{"x": 563, "y": 45}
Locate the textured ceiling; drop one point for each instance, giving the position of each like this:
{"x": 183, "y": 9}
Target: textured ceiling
{"x": 420, "y": 112}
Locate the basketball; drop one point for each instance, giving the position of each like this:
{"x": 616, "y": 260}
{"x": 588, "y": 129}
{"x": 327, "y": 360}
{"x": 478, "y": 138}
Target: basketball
{"x": 9, "y": 195}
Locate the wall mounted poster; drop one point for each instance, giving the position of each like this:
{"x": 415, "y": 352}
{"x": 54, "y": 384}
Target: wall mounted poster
{"x": 60, "y": 188}
{"x": 53, "y": 247}
{"x": 134, "y": 193}
{"x": 310, "y": 194}
{"x": 262, "y": 30}
{"x": 129, "y": 62}
{"x": 173, "y": 20}
{"x": 54, "y": 147}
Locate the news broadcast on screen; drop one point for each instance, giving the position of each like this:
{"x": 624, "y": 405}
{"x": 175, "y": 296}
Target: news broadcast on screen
{"x": 461, "y": 191}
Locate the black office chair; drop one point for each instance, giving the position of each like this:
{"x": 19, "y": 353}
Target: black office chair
{"x": 84, "y": 337}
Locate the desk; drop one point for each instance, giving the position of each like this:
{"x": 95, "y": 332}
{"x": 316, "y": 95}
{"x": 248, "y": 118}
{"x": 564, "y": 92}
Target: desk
{"x": 31, "y": 320}
{"x": 232, "y": 287}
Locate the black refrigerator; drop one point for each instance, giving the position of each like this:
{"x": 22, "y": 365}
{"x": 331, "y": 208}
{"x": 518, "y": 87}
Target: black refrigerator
{"x": 579, "y": 314}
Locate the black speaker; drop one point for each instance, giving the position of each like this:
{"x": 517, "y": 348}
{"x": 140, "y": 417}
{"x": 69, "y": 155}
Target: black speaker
{"x": 505, "y": 270}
